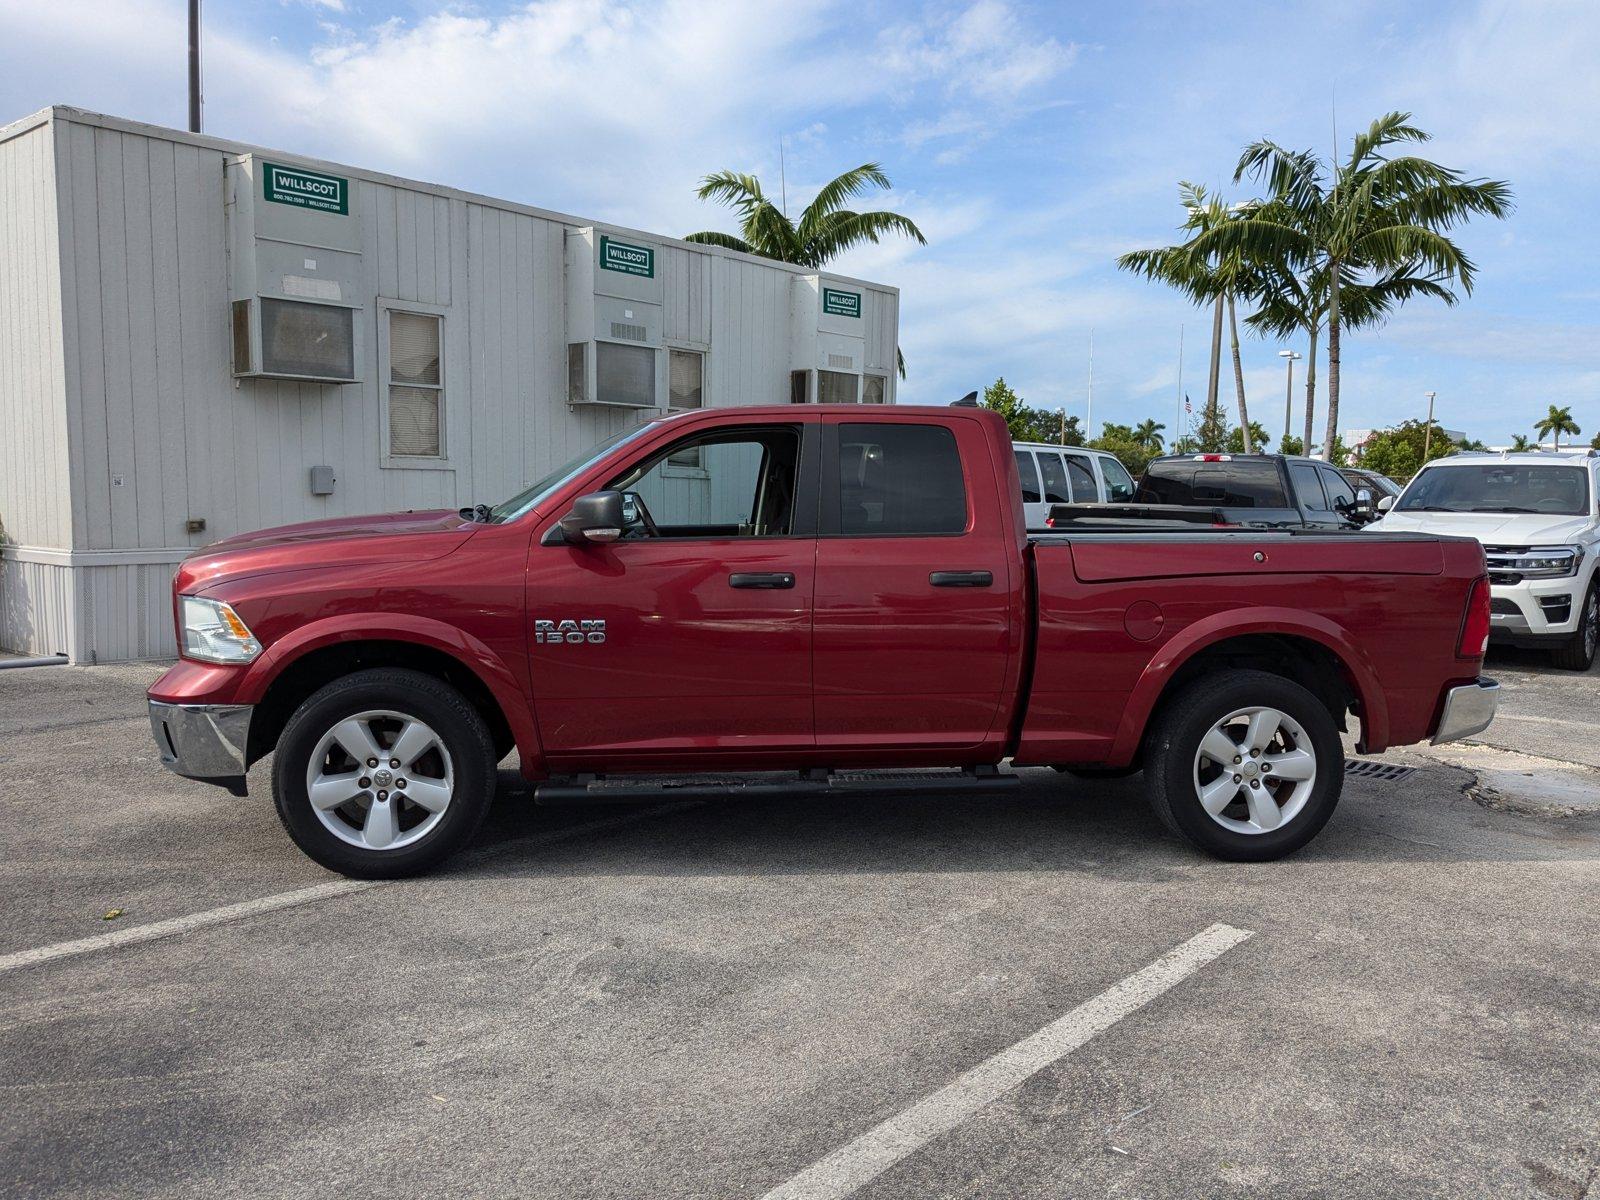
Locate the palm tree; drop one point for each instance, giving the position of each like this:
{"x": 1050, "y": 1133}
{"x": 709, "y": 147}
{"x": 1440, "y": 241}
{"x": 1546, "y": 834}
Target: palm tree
{"x": 1148, "y": 435}
{"x": 826, "y": 228}
{"x": 1382, "y": 220}
{"x": 1556, "y": 422}
{"x": 1207, "y": 278}
{"x": 1520, "y": 442}
{"x": 1291, "y": 303}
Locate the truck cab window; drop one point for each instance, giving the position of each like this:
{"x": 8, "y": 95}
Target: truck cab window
{"x": 1308, "y": 487}
{"x": 899, "y": 480}
{"x": 727, "y": 483}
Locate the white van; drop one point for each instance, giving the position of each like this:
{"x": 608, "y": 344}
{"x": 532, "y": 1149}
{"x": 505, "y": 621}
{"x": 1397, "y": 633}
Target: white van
{"x": 1068, "y": 475}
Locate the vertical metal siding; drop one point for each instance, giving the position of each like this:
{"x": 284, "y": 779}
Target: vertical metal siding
{"x": 35, "y": 504}
{"x": 144, "y": 391}
{"x": 34, "y": 507}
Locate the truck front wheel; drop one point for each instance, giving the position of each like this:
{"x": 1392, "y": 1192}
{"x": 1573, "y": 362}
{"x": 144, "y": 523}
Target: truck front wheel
{"x": 1245, "y": 765}
{"x": 383, "y": 773}
{"x": 1577, "y": 653}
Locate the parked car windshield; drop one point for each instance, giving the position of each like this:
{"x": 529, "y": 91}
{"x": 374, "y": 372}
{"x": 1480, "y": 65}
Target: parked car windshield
{"x": 1238, "y": 483}
{"x": 528, "y": 498}
{"x": 1499, "y": 488}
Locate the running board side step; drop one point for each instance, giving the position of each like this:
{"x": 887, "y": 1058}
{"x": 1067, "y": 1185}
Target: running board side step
{"x": 595, "y": 789}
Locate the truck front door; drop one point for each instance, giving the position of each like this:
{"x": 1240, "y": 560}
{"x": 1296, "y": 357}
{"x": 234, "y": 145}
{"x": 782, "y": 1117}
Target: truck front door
{"x": 918, "y": 601}
{"x": 691, "y": 635}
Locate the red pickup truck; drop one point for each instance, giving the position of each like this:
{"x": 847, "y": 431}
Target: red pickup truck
{"x": 804, "y": 600}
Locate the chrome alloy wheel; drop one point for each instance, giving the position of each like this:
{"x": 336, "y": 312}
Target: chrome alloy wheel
{"x": 380, "y": 780}
{"x": 1591, "y": 624}
{"x": 1255, "y": 770}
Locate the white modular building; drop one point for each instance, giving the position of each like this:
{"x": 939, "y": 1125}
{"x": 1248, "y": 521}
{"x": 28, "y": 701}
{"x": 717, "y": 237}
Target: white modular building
{"x": 200, "y": 338}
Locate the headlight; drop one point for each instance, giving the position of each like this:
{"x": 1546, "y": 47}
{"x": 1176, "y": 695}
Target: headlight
{"x": 1541, "y": 562}
{"x": 213, "y": 632}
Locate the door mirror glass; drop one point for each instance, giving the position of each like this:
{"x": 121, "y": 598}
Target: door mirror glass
{"x": 597, "y": 517}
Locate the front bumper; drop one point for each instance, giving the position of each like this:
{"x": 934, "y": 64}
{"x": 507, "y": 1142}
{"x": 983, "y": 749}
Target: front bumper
{"x": 202, "y": 741}
{"x": 1535, "y": 609}
{"x": 1468, "y": 709}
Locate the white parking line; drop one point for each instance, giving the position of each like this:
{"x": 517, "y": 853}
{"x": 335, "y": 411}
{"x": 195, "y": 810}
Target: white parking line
{"x": 311, "y": 895}
{"x": 875, "y": 1151}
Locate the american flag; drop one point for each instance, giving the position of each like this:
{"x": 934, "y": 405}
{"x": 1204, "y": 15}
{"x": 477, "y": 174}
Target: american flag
{"x": 1187, "y": 407}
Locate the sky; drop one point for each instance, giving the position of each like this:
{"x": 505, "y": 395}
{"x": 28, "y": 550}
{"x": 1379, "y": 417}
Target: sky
{"x": 1031, "y": 142}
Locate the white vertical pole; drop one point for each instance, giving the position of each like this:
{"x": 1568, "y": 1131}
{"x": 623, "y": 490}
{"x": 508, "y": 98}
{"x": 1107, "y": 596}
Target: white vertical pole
{"x": 1178, "y": 430}
{"x": 1088, "y": 432}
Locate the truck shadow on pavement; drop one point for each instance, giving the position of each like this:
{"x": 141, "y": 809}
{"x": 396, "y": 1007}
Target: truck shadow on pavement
{"x": 1055, "y": 824}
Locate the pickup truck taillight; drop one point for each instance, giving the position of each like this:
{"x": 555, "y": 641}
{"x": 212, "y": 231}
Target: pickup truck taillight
{"x": 1475, "y": 623}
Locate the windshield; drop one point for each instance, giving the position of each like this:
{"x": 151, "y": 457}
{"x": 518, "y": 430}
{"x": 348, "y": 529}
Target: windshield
{"x": 524, "y": 500}
{"x": 1499, "y": 488}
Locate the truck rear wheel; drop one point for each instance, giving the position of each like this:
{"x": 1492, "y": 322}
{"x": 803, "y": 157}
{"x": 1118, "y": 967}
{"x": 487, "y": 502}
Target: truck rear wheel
{"x": 383, "y": 773}
{"x": 1245, "y": 765}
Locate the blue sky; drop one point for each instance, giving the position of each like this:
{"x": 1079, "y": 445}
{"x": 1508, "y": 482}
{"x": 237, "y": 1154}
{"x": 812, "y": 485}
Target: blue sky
{"x": 1032, "y": 142}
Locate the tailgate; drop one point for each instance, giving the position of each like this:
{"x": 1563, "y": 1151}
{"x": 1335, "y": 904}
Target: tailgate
{"x": 1174, "y": 556}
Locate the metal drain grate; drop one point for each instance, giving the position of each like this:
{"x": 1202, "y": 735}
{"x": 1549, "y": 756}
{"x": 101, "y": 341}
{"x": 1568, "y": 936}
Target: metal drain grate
{"x": 1361, "y": 768}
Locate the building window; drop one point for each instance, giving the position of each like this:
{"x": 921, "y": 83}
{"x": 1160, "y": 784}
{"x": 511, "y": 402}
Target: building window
{"x": 874, "y": 388}
{"x": 686, "y": 387}
{"x": 835, "y": 387}
{"x": 798, "y": 383}
{"x": 625, "y": 375}
{"x": 416, "y": 385}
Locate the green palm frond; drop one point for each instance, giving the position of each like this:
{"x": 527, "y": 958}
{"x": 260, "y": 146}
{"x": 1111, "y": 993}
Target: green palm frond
{"x": 842, "y": 230}
{"x": 833, "y": 195}
{"x": 825, "y": 230}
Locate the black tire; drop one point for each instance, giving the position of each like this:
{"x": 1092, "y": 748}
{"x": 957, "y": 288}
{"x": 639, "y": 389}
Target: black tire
{"x": 460, "y": 730}
{"x": 1175, "y": 741}
{"x": 1577, "y": 653}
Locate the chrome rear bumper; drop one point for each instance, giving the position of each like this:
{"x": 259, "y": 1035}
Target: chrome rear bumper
{"x": 202, "y": 741}
{"x": 1468, "y": 709}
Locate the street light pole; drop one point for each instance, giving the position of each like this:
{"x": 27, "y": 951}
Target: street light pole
{"x": 1427, "y": 432}
{"x": 1063, "y": 411}
{"x": 1289, "y": 357}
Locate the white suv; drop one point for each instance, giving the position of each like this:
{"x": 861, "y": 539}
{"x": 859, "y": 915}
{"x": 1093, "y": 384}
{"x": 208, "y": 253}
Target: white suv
{"x": 1054, "y": 474}
{"x": 1536, "y": 515}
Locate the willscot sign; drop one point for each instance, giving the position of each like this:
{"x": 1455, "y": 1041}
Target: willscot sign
{"x": 305, "y": 189}
{"x": 841, "y": 304}
{"x": 627, "y": 258}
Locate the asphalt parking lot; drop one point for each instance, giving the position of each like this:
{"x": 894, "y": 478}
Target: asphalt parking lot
{"x": 803, "y": 999}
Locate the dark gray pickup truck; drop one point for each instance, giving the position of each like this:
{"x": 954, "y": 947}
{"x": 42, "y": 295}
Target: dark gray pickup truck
{"x": 1266, "y": 491}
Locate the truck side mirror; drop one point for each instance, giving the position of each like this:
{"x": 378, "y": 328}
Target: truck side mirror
{"x": 1360, "y": 510}
{"x": 1385, "y": 503}
{"x": 596, "y": 517}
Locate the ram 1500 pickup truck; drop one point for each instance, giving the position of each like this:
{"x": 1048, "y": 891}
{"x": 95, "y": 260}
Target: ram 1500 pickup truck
{"x": 804, "y": 600}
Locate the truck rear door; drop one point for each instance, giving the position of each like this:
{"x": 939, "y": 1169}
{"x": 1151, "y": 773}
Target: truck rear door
{"x": 919, "y": 596}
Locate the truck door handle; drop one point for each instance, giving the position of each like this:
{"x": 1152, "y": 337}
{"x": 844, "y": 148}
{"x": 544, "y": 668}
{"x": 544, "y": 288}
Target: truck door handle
{"x": 961, "y": 578}
{"x": 761, "y": 579}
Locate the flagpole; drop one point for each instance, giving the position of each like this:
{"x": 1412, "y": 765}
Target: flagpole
{"x": 1088, "y": 420}
{"x": 1177, "y": 430}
